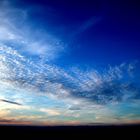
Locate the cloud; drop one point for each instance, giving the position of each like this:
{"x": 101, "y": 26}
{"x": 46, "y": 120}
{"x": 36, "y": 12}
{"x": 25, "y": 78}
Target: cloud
{"x": 110, "y": 86}
{"x": 15, "y": 122}
{"x": 11, "y": 102}
{"x": 88, "y": 24}
{"x": 75, "y": 108}
{"x": 21, "y": 69}
{"x": 16, "y": 30}
{"x": 4, "y": 113}
{"x": 82, "y": 94}
{"x": 50, "y": 112}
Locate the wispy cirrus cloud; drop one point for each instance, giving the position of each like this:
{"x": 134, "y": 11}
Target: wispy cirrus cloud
{"x": 87, "y": 25}
{"x": 16, "y": 31}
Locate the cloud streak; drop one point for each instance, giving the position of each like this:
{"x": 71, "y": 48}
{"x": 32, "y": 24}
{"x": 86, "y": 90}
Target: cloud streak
{"x": 11, "y": 102}
{"x": 88, "y": 24}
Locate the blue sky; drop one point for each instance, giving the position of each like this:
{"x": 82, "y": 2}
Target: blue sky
{"x": 69, "y": 62}
{"x": 92, "y": 30}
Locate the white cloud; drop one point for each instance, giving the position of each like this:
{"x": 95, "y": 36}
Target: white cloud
{"x": 50, "y": 112}
{"x": 106, "y": 87}
{"x": 16, "y": 30}
{"x": 4, "y": 113}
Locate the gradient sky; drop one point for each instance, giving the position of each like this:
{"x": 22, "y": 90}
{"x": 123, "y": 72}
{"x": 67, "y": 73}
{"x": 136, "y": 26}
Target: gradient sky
{"x": 69, "y": 62}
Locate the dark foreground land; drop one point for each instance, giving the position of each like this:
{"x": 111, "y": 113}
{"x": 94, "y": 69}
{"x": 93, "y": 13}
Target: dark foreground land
{"x": 70, "y": 132}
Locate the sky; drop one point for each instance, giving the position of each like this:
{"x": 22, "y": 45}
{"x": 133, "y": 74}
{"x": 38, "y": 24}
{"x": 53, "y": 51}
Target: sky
{"x": 69, "y": 62}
